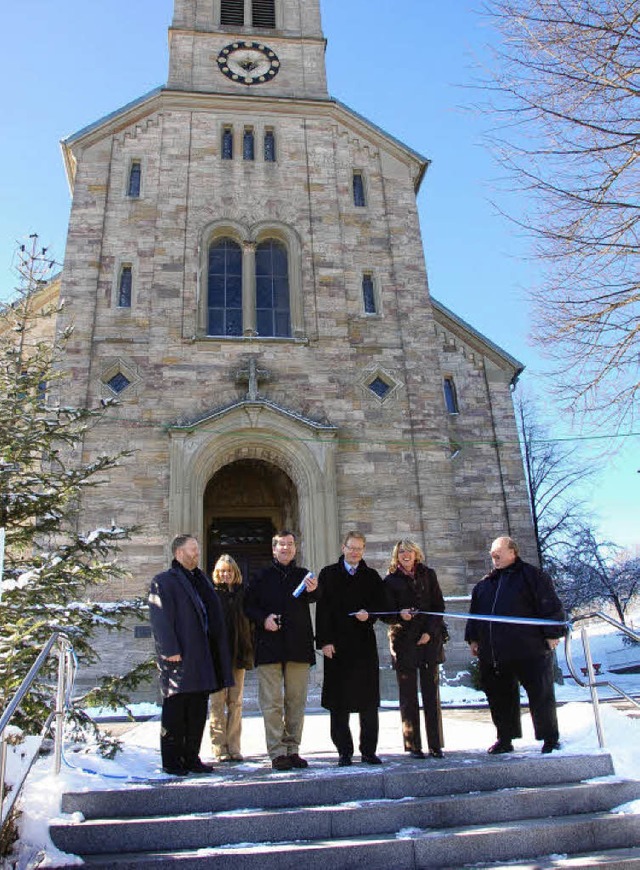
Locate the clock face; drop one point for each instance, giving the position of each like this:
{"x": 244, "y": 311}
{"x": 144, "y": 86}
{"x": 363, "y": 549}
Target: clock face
{"x": 248, "y": 63}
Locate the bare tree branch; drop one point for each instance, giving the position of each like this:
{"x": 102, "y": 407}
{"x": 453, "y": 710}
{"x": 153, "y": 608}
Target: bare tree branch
{"x": 566, "y": 91}
{"x": 552, "y": 472}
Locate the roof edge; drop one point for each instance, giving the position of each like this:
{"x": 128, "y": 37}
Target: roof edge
{"x": 424, "y": 162}
{"x": 514, "y": 363}
{"x": 73, "y": 137}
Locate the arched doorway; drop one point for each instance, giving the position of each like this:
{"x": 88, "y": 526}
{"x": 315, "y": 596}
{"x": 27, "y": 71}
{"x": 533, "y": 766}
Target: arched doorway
{"x": 244, "y": 504}
{"x": 302, "y": 450}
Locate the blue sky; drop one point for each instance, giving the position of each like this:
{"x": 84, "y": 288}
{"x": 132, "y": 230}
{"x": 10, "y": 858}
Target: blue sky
{"x": 403, "y": 64}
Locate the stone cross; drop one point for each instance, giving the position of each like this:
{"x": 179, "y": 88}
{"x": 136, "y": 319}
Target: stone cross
{"x": 252, "y": 376}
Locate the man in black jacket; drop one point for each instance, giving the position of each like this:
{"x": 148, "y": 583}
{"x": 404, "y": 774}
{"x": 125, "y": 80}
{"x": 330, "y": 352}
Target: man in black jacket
{"x": 513, "y": 653}
{"x": 348, "y": 642}
{"x": 192, "y": 650}
{"x": 284, "y": 649}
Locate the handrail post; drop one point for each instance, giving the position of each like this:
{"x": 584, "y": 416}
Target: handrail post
{"x": 592, "y": 685}
{"x": 60, "y": 695}
{"x": 3, "y": 767}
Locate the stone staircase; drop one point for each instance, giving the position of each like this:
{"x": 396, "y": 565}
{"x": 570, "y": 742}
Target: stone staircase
{"x": 466, "y": 809}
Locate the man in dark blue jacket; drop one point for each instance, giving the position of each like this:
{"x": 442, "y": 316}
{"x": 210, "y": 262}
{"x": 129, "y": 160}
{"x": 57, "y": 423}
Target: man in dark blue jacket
{"x": 514, "y": 653}
{"x": 351, "y": 681}
{"x": 193, "y": 658}
{"x": 284, "y": 649}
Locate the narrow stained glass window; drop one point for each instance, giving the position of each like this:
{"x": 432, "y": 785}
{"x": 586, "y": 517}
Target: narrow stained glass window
{"x": 273, "y": 317}
{"x": 225, "y": 288}
{"x": 270, "y": 146}
{"x": 358, "y": 190}
{"x": 368, "y": 294}
{"x": 125, "y": 286}
{"x": 450, "y": 396}
{"x": 248, "y": 145}
{"x": 227, "y": 144}
{"x": 135, "y": 178}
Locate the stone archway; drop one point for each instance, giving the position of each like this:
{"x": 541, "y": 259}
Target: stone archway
{"x": 245, "y": 503}
{"x": 263, "y": 432}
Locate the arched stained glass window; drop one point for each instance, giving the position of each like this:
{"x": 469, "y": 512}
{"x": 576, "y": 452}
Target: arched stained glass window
{"x": 273, "y": 314}
{"x": 248, "y": 144}
{"x": 135, "y": 178}
{"x": 450, "y": 395}
{"x": 225, "y": 288}
{"x": 270, "y": 146}
{"x": 227, "y": 143}
{"x": 359, "y": 197}
{"x": 368, "y": 294}
{"x": 125, "y": 285}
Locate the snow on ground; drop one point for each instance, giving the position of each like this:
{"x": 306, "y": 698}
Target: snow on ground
{"x": 467, "y": 727}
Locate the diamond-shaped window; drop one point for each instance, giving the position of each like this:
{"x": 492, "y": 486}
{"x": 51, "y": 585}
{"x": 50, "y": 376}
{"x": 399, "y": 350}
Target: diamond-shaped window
{"x": 118, "y": 383}
{"x": 379, "y": 387}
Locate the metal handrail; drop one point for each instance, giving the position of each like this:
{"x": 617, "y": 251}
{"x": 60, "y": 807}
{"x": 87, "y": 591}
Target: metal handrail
{"x": 57, "y": 714}
{"x": 591, "y": 682}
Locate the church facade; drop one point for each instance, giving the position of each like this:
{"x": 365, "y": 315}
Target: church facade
{"x": 245, "y": 274}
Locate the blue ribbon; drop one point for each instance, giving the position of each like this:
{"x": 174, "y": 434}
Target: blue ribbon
{"x": 481, "y": 617}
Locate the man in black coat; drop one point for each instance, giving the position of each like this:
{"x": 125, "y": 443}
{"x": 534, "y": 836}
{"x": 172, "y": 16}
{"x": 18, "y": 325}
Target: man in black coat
{"x": 513, "y": 653}
{"x": 192, "y": 650}
{"x": 348, "y": 643}
{"x": 284, "y": 648}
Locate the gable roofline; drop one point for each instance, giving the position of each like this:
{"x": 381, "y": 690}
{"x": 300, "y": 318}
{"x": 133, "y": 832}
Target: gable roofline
{"x": 111, "y": 116}
{"x": 135, "y": 110}
{"x": 260, "y": 402}
{"x": 69, "y": 141}
{"x": 413, "y": 154}
{"x": 459, "y": 326}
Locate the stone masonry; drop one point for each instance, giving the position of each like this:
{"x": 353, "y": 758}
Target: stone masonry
{"x": 396, "y": 466}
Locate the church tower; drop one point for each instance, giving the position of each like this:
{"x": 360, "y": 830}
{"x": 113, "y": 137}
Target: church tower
{"x": 245, "y": 273}
{"x": 276, "y": 45}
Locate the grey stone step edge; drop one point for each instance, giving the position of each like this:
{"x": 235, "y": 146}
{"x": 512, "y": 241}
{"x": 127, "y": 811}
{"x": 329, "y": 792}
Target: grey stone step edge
{"x": 341, "y": 821}
{"x": 611, "y": 859}
{"x": 396, "y": 779}
{"x": 415, "y": 850}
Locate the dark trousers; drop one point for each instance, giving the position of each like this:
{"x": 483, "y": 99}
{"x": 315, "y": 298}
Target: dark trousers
{"x": 410, "y": 710}
{"x": 182, "y": 725}
{"x": 501, "y": 686}
{"x": 341, "y": 733}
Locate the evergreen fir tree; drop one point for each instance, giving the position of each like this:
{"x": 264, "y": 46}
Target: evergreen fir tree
{"x": 52, "y": 571}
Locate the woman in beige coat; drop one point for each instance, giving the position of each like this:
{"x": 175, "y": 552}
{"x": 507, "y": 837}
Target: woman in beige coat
{"x": 225, "y": 708}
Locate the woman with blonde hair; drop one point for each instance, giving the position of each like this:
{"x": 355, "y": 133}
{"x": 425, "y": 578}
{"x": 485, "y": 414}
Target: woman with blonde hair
{"x": 416, "y": 643}
{"x": 225, "y": 710}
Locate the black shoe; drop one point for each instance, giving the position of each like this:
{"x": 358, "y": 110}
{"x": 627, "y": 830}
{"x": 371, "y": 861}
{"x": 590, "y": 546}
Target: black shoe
{"x": 549, "y": 745}
{"x": 297, "y": 762}
{"x": 281, "y": 762}
{"x": 436, "y": 753}
{"x": 200, "y": 767}
{"x": 371, "y": 759}
{"x": 176, "y": 771}
{"x": 500, "y": 747}
{"x": 344, "y": 761}
{"x": 416, "y": 753}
